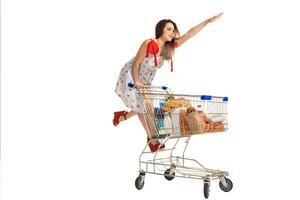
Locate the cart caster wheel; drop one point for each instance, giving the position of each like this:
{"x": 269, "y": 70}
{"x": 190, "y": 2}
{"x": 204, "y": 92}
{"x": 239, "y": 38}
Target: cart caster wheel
{"x": 206, "y": 189}
{"x": 228, "y": 187}
{"x": 139, "y": 182}
{"x": 169, "y": 176}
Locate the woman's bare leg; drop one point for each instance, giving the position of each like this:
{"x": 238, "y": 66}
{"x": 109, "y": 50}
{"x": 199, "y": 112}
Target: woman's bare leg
{"x": 149, "y": 127}
{"x": 128, "y": 115}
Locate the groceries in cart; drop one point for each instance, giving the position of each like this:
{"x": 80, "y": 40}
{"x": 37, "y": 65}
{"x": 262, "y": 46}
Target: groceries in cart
{"x": 178, "y": 117}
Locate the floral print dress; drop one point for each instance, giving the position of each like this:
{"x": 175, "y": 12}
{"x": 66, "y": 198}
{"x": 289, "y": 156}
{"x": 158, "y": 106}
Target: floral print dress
{"x": 147, "y": 71}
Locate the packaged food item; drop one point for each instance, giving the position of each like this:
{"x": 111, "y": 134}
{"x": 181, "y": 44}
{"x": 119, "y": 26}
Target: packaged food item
{"x": 217, "y": 118}
{"x": 168, "y": 126}
{"x": 195, "y": 123}
{"x": 175, "y": 121}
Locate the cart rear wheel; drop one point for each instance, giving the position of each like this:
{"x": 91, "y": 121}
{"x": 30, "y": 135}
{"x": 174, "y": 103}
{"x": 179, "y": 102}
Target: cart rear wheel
{"x": 139, "y": 183}
{"x": 206, "y": 189}
{"x": 228, "y": 186}
{"x": 169, "y": 176}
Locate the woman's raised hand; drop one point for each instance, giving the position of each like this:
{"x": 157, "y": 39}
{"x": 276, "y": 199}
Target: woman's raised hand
{"x": 214, "y": 18}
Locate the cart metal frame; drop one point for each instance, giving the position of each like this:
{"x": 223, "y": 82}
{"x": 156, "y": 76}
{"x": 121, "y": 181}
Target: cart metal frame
{"x": 165, "y": 162}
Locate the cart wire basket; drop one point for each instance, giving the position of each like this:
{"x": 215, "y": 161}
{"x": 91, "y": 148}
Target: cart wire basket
{"x": 173, "y": 118}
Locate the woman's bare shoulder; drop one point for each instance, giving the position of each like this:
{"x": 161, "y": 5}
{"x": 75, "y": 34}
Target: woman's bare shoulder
{"x": 146, "y": 41}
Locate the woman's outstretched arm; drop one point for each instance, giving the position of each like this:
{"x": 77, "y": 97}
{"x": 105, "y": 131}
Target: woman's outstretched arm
{"x": 193, "y": 31}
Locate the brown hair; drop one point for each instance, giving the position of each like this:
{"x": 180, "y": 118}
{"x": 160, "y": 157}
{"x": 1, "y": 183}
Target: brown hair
{"x": 168, "y": 50}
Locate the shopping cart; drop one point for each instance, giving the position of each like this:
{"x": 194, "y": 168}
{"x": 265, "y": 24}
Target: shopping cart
{"x": 172, "y": 117}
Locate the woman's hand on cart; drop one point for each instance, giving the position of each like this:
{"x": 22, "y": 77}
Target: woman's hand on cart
{"x": 139, "y": 85}
{"x": 131, "y": 85}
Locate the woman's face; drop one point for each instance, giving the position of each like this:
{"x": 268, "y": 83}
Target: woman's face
{"x": 168, "y": 34}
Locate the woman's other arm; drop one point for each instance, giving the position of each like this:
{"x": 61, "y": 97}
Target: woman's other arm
{"x": 141, "y": 54}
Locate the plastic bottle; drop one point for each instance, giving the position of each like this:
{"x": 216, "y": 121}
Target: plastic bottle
{"x": 159, "y": 118}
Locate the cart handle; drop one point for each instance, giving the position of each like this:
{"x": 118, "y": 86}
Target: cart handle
{"x": 131, "y": 85}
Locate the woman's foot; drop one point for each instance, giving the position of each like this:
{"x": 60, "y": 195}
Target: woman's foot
{"x": 155, "y": 145}
{"x": 119, "y": 116}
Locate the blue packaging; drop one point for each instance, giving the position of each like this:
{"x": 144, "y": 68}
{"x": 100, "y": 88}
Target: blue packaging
{"x": 159, "y": 118}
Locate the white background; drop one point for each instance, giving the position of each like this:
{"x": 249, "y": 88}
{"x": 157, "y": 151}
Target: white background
{"x": 61, "y": 60}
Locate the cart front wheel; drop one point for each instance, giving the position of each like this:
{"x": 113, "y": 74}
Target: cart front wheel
{"x": 206, "y": 189}
{"x": 227, "y": 187}
{"x": 168, "y": 175}
{"x": 139, "y": 183}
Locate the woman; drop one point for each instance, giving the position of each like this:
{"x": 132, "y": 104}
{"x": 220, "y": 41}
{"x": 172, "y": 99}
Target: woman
{"x": 141, "y": 69}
